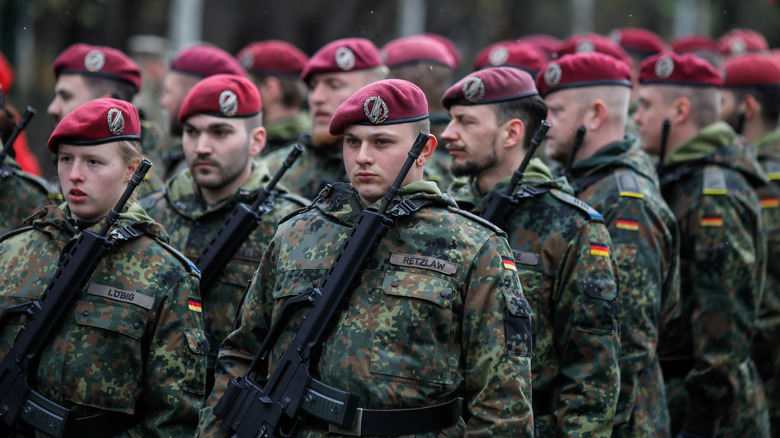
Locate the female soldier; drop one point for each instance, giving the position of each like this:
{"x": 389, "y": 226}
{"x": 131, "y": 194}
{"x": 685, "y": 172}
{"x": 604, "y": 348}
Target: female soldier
{"x": 129, "y": 358}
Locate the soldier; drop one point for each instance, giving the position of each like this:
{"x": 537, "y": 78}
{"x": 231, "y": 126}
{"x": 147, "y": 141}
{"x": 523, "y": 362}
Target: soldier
{"x": 613, "y": 175}
{"x": 751, "y": 105}
{"x": 332, "y": 74}
{"x": 130, "y": 363}
{"x": 274, "y": 67}
{"x": 437, "y": 314}
{"x": 220, "y": 141}
{"x": 83, "y": 73}
{"x": 24, "y": 157}
{"x": 699, "y": 45}
{"x": 188, "y": 67}
{"x": 708, "y": 180}
{"x": 571, "y": 286}
{"x": 741, "y": 41}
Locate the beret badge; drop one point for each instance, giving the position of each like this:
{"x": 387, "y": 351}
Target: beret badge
{"x": 473, "y": 89}
{"x": 498, "y": 56}
{"x": 247, "y": 60}
{"x": 228, "y": 103}
{"x": 664, "y": 67}
{"x": 552, "y": 75}
{"x": 94, "y": 60}
{"x": 116, "y": 121}
{"x": 345, "y": 58}
{"x": 375, "y": 110}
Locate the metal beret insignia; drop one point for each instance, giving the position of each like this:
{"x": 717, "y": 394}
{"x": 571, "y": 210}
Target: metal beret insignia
{"x": 585, "y": 45}
{"x": 248, "y": 60}
{"x": 375, "y": 110}
{"x": 473, "y": 89}
{"x": 228, "y": 103}
{"x": 498, "y": 56}
{"x": 345, "y": 58}
{"x": 95, "y": 60}
{"x": 737, "y": 46}
{"x": 552, "y": 75}
{"x": 664, "y": 67}
{"x": 116, "y": 121}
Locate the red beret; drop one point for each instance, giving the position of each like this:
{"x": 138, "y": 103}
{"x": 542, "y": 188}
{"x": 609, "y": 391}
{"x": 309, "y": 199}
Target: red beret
{"x": 342, "y": 55}
{"x": 6, "y": 74}
{"x": 222, "y": 96}
{"x": 693, "y": 43}
{"x": 518, "y": 54}
{"x": 98, "y": 61}
{"x": 673, "y": 69}
{"x": 385, "y": 102}
{"x": 583, "y": 70}
{"x": 741, "y": 41}
{"x": 417, "y": 48}
{"x": 638, "y": 40}
{"x": 591, "y": 42}
{"x": 547, "y": 43}
{"x": 96, "y": 122}
{"x": 450, "y": 45}
{"x": 272, "y": 57}
{"x": 751, "y": 70}
{"x": 490, "y": 85}
{"x": 206, "y": 60}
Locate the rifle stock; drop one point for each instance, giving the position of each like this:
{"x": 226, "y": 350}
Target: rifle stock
{"x": 273, "y": 409}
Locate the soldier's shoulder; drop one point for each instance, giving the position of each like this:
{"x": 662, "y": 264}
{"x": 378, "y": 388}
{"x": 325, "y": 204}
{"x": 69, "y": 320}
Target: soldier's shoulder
{"x": 478, "y": 223}
{"x": 187, "y": 265}
{"x": 21, "y": 232}
{"x": 577, "y": 206}
{"x": 295, "y": 201}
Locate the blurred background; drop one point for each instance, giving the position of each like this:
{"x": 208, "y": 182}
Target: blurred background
{"x": 34, "y": 32}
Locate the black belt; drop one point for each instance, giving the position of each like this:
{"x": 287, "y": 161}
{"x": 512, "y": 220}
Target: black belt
{"x": 543, "y": 402}
{"x": 394, "y": 422}
{"x": 676, "y": 368}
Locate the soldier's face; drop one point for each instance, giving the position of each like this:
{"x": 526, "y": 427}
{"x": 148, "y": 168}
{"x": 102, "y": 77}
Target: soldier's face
{"x": 565, "y": 114}
{"x": 472, "y": 139}
{"x": 218, "y": 151}
{"x": 70, "y": 92}
{"x": 327, "y": 92}
{"x": 92, "y": 178}
{"x": 729, "y": 109}
{"x": 649, "y": 117}
{"x": 373, "y": 156}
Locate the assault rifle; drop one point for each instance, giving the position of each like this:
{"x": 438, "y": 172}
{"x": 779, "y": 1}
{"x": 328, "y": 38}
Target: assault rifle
{"x": 575, "y": 147}
{"x": 18, "y": 401}
{"x": 291, "y": 392}
{"x": 9, "y": 144}
{"x": 499, "y": 205}
{"x": 237, "y": 227}
{"x": 664, "y": 140}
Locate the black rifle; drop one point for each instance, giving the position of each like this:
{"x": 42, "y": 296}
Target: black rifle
{"x": 575, "y": 146}
{"x": 499, "y": 205}
{"x": 249, "y": 410}
{"x": 237, "y": 227}
{"x": 664, "y": 140}
{"x": 740, "y": 122}
{"x": 8, "y": 146}
{"x": 18, "y": 401}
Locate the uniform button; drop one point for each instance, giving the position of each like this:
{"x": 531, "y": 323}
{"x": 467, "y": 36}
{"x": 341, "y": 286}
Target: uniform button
{"x": 444, "y": 293}
{"x": 137, "y": 325}
{"x": 531, "y": 284}
{"x": 394, "y": 284}
{"x": 85, "y": 313}
{"x": 601, "y": 287}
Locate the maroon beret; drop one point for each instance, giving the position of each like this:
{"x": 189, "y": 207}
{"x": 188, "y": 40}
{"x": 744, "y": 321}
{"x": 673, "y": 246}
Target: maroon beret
{"x": 98, "y": 61}
{"x": 674, "y": 69}
{"x": 583, "y": 70}
{"x": 451, "y": 47}
{"x": 6, "y": 74}
{"x": 751, "y": 70}
{"x": 272, "y": 57}
{"x": 591, "y": 42}
{"x": 417, "y": 48}
{"x": 205, "y": 60}
{"x": 490, "y": 85}
{"x": 96, "y": 122}
{"x": 385, "y": 102}
{"x": 222, "y": 96}
{"x": 518, "y": 54}
{"x": 741, "y": 41}
{"x": 342, "y": 55}
{"x": 547, "y": 43}
{"x": 693, "y": 43}
{"x": 635, "y": 39}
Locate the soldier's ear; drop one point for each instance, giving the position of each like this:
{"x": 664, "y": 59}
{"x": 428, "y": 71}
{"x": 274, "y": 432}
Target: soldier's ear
{"x": 515, "y": 132}
{"x": 427, "y": 150}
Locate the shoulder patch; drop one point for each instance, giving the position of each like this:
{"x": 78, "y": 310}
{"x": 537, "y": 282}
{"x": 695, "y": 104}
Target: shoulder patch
{"x": 627, "y": 184}
{"x": 189, "y": 265}
{"x": 772, "y": 170}
{"x": 577, "y": 203}
{"x": 478, "y": 219}
{"x": 713, "y": 181}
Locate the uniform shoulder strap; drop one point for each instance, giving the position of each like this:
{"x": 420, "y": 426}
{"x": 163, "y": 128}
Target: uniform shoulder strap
{"x": 578, "y": 204}
{"x": 188, "y": 264}
{"x": 478, "y": 219}
{"x": 628, "y": 184}
{"x": 713, "y": 181}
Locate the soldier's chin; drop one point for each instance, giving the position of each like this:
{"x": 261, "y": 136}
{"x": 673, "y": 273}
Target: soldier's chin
{"x": 324, "y": 139}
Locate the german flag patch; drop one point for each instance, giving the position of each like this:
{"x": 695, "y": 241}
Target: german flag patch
{"x": 712, "y": 221}
{"x": 772, "y": 202}
{"x": 599, "y": 249}
{"x": 625, "y": 224}
{"x": 194, "y": 304}
{"x": 509, "y": 263}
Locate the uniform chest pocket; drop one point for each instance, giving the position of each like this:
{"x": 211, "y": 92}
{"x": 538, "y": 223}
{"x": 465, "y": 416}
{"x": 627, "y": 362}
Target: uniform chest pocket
{"x": 415, "y": 332}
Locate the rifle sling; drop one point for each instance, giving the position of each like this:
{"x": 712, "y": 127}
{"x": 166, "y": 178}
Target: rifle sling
{"x": 395, "y": 422}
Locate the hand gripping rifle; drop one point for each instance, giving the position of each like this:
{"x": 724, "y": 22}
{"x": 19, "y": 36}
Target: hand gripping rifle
{"x": 291, "y": 392}
{"x": 499, "y": 205}
{"x": 9, "y": 145}
{"x": 575, "y": 147}
{"x": 18, "y": 401}
{"x": 237, "y": 227}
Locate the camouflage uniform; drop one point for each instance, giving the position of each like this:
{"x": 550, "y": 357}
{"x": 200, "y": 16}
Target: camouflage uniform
{"x": 283, "y": 132}
{"x": 620, "y": 181}
{"x": 410, "y": 336}
{"x": 712, "y": 384}
{"x": 192, "y": 224}
{"x": 145, "y": 355}
{"x": 22, "y": 194}
{"x": 315, "y": 168}
{"x": 766, "y": 351}
{"x": 573, "y": 291}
